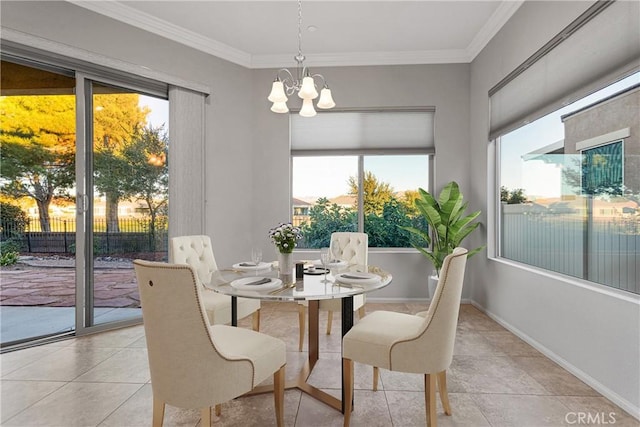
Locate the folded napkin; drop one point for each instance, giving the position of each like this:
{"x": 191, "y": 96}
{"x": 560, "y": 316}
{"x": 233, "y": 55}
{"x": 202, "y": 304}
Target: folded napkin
{"x": 248, "y": 264}
{"x": 349, "y": 276}
{"x": 260, "y": 281}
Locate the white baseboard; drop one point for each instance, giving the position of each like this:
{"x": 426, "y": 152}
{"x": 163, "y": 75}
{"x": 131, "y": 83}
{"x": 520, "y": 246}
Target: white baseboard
{"x": 583, "y": 376}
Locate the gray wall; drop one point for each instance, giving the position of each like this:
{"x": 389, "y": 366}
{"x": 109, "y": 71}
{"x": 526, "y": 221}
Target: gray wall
{"x": 589, "y": 329}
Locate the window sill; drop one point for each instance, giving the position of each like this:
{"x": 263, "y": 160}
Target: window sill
{"x": 585, "y": 284}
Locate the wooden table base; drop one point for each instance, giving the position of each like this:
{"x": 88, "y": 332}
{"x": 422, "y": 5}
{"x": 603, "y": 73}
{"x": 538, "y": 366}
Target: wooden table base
{"x": 300, "y": 382}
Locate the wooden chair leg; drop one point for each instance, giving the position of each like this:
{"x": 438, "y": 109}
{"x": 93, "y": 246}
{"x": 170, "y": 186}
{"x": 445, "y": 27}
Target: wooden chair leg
{"x": 158, "y": 413}
{"x": 205, "y": 414}
{"x": 301, "y": 325}
{"x": 218, "y": 410}
{"x": 430, "y": 399}
{"x": 347, "y": 367}
{"x": 278, "y": 395}
{"x": 444, "y": 395}
{"x": 361, "y": 312}
{"x": 329, "y": 321}
{"x": 376, "y": 375}
{"x": 256, "y": 320}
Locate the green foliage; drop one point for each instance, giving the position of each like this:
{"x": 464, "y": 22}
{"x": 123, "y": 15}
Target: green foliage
{"x": 446, "y": 222}
{"x": 326, "y": 218}
{"x": 8, "y": 258}
{"x": 375, "y": 193}
{"x": 513, "y": 197}
{"x": 285, "y": 236}
{"x": 387, "y": 230}
{"x": 10, "y": 245}
{"x": 13, "y": 220}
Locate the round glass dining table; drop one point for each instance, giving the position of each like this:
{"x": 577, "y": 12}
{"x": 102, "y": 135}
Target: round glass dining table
{"x": 342, "y": 282}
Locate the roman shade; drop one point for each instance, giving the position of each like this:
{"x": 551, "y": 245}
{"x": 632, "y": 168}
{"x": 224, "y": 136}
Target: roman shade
{"x": 600, "y": 47}
{"x": 364, "y": 132}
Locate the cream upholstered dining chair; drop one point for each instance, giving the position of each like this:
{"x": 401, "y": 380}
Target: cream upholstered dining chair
{"x": 194, "y": 364}
{"x": 198, "y": 253}
{"x": 352, "y": 248}
{"x": 421, "y": 343}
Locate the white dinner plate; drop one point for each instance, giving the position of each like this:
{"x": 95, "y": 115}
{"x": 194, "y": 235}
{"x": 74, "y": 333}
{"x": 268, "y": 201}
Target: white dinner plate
{"x": 245, "y": 284}
{"x": 250, "y": 266}
{"x": 355, "y": 278}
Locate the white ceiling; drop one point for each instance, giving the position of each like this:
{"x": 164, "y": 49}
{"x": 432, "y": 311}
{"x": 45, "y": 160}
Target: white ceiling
{"x": 264, "y": 34}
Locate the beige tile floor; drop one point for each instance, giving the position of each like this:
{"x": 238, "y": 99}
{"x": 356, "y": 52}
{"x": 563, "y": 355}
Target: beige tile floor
{"x": 495, "y": 380}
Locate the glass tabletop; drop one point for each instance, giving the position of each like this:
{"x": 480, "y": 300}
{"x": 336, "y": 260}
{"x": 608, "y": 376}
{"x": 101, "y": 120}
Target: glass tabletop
{"x": 345, "y": 281}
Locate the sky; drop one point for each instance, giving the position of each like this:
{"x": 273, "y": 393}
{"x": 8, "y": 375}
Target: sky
{"x": 314, "y": 177}
{"x": 159, "y": 111}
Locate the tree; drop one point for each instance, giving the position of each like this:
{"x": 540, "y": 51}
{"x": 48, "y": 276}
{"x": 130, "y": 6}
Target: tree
{"x": 375, "y": 193}
{"x": 148, "y": 173}
{"x": 117, "y": 119}
{"x": 408, "y": 201}
{"x": 37, "y": 149}
{"x": 326, "y": 218}
{"x": 37, "y": 141}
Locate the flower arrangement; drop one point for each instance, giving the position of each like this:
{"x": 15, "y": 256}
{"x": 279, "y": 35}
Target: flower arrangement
{"x": 284, "y": 236}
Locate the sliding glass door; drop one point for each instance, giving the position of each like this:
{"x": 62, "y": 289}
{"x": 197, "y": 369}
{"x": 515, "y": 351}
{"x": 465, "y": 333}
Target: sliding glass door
{"x": 84, "y": 190}
{"x": 127, "y": 192}
{"x": 37, "y": 182}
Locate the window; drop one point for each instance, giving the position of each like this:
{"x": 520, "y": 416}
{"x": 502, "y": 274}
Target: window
{"x": 602, "y": 170}
{"x": 567, "y": 139}
{"x": 571, "y": 210}
{"x": 362, "y": 175}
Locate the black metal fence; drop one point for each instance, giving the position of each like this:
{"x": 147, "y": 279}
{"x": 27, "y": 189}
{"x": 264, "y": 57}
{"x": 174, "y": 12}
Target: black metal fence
{"x": 133, "y": 237}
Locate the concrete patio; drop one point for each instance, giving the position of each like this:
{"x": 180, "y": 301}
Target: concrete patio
{"x": 37, "y": 296}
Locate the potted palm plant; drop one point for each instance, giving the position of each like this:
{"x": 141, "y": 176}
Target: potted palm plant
{"x": 447, "y": 227}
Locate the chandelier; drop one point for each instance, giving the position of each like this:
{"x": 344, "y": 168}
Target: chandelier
{"x": 304, "y": 83}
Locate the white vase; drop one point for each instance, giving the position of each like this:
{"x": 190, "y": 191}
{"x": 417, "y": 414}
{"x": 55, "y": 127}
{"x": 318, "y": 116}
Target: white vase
{"x": 432, "y": 284}
{"x": 285, "y": 267}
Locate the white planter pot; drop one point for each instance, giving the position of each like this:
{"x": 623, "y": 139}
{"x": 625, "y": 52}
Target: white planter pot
{"x": 432, "y": 284}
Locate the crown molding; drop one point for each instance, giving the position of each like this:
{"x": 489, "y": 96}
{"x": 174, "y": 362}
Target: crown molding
{"x": 496, "y": 21}
{"x": 123, "y": 13}
{"x": 450, "y": 56}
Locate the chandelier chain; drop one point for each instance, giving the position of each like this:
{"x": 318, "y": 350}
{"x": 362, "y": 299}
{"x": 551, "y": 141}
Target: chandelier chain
{"x": 300, "y": 28}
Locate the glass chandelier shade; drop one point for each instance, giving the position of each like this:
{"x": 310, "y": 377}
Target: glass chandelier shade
{"x": 280, "y": 107}
{"x": 307, "y": 109}
{"x": 277, "y": 93}
{"x": 308, "y": 89}
{"x": 303, "y": 82}
{"x": 326, "y": 100}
